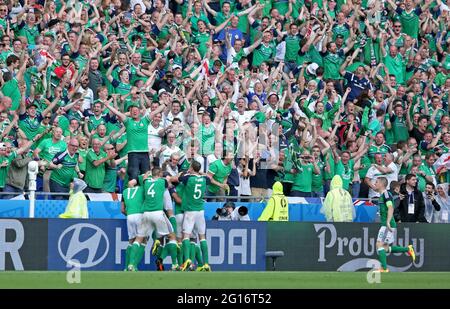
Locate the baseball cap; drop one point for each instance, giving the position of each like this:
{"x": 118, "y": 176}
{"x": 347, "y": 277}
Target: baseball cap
{"x": 339, "y": 36}
{"x": 161, "y": 91}
{"x": 2, "y": 146}
{"x": 311, "y": 68}
{"x": 176, "y": 66}
{"x": 201, "y": 110}
{"x": 32, "y": 104}
{"x": 273, "y": 93}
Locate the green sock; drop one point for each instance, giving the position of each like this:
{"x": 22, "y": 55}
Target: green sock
{"x": 382, "y": 257}
{"x": 172, "y": 250}
{"x": 395, "y": 249}
{"x": 127, "y": 255}
{"x": 186, "y": 249}
{"x": 140, "y": 255}
{"x": 204, "y": 247}
{"x": 133, "y": 253}
{"x": 173, "y": 221}
{"x": 180, "y": 254}
{"x": 198, "y": 255}
{"x": 192, "y": 251}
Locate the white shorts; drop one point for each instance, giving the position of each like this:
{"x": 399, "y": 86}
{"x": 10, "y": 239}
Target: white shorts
{"x": 179, "y": 219}
{"x": 133, "y": 222}
{"x": 167, "y": 201}
{"x": 385, "y": 236}
{"x": 154, "y": 220}
{"x": 194, "y": 220}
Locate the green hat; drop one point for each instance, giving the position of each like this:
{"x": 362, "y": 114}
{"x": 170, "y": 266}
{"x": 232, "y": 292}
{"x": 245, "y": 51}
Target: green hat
{"x": 133, "y": 105}
{"x": 260, "y": 117}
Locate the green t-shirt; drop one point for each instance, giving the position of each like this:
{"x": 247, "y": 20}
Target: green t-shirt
{"x": 399, "y": 128}
{"x": 263, "y": 53}
{"x": 385, "y": 201}
{"x": 382, "y": 149}
{"x": 50, "y": 149}
{"x": 133, "y": 198}
{"x": 303, "y": 178}
{"x": 193, "y": 192}
{"x": 153, "y": 193}
{"x": 346, "y": 172}
{"x": 220, "y": 172}
{"x": 110, "y": 181}
{"x": 317, "y": 179}
{"x": 396, "y": 66}
{"x": 410, "y": 21}
{"x": 11, "y": 89}
{"x": 4, "y": 169}
{"x": 292, "y": 47}
{"x": 29, "y": 126}
{"x": 332, "y": 63}
{"x": 137, "y": 134}
{"x": 180, "y": 191}
{"x": 67, "y": 173}
{"x": 83, "y": 154}
{"x": 207, "y": 139}
{"x": 95, "y": 175}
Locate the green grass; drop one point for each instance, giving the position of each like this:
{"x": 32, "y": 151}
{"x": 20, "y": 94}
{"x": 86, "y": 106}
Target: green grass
{"x": 224, "y": 280}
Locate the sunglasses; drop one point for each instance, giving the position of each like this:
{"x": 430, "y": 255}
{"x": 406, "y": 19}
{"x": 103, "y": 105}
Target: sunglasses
{"x": 74, "y": 145}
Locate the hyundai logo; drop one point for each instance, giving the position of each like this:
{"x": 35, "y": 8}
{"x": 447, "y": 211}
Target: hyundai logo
{"x": 84, "y": 236}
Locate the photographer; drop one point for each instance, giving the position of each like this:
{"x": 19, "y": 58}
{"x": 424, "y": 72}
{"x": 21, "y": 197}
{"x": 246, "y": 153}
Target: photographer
{"x": 431, "y": 204}
{"x": 229, "y": 212}
{"x": 224, "y": 213}
{"x": 240, "y": 214}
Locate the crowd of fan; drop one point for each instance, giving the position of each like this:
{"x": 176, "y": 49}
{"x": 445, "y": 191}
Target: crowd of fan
{"x": 256, "y": 91}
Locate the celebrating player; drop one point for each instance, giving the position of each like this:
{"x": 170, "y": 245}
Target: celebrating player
{"x": 388, "y": 227}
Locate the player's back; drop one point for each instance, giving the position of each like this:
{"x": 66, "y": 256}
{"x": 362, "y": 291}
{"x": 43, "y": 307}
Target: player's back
{"x": 133, "y": 199}
{"x": 194, "y": 193}
{"x": 153, "y": 193}
{"x": 180, "y": 191}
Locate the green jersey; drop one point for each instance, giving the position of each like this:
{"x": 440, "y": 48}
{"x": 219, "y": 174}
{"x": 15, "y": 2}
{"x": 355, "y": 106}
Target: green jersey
{"x": 208, "y": 135}
{"x": 133, "y": 198}
{"x": 399, "y": 128}
{"x": 263, "y": 53}
{"x": 292, "y": 47}
{"x": 179, "y": 190}
{"x": 220, "y": 172}
{"x": 396, "y": 66}
{"x": 382, "y": 149}
{"x": 346, "y": 172}
{"x": 29, "y": 126}
{"x": 67, "y": 173}
{"x": 385, "y": 201}
{"x": 332, "y": 63}
{"x": 410, "y": 21}
{"x": 95, "y": 175}
{"x": 193, "y": 192}
{"x": 317, "y": 179}
{"x": 5, "y": 163}
{"x": 49, "y": 149}
{"x": 154, "y": 189}
{"x": 303, "y": 178}
{"x": 137, "y": 134}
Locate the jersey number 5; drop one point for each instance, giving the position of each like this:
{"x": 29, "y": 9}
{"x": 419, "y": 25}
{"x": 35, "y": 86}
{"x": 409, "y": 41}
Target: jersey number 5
{"x": 197, "y": 191}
